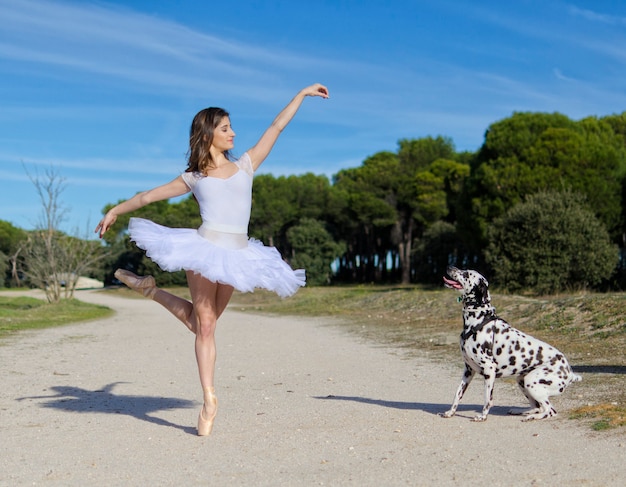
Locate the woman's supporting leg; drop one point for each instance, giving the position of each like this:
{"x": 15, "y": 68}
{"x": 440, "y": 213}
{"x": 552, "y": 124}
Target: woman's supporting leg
{"x": 209, "y": 302}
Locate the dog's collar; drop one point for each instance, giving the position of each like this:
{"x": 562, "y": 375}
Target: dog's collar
{"x": 474, "y": 330}
{"x": 471, "y": 302}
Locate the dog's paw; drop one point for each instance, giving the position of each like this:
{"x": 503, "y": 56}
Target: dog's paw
{"x": 479, "y": 418}
{"x": 533, "y": 417}
{"x": 526, "y": 419}
{"x": 447, "y": 414}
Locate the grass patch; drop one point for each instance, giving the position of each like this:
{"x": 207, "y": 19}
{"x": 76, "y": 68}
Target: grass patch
{"x": 602, "y": 416}
{"x": 27, "y": 313}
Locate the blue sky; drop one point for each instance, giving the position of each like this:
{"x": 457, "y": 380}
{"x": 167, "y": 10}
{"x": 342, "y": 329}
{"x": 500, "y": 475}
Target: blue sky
{"x": 103, "y": 92}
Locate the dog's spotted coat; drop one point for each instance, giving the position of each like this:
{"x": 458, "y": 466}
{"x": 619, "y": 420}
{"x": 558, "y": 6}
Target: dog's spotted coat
{"x": 494, "y": 349}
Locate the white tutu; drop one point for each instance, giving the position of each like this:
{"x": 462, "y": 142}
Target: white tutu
{"x": 254, "y": 266}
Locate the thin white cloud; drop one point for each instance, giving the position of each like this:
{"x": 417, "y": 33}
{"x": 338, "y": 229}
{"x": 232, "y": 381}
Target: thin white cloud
{"x": 94, "y": 26}
{"x": 560, "y": 76}
{"x": 592, "y": 16}
{"x": 146, "y": 50}
{"x": 13, "y": 164}
{"x": 129, "y": 185}
{"x": 552, "y": 27}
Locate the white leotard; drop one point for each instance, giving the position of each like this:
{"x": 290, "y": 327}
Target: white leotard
{"x": 225, "y": 204}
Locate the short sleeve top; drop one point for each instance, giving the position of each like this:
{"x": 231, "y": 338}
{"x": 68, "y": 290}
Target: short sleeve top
{"x": 225, "y": 203}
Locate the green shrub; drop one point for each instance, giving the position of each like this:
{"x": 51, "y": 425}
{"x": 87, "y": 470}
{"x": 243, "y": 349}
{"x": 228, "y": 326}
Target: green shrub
{"x": 550, "y": 243}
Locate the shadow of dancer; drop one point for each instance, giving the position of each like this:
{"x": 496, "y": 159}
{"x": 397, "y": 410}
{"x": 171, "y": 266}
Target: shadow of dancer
{"x": 104, "y": 401}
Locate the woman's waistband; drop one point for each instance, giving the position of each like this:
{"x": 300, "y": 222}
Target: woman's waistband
{"x": 221, "y": 238}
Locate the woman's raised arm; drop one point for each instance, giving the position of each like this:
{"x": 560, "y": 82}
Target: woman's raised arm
{"x": 262, "y": 148}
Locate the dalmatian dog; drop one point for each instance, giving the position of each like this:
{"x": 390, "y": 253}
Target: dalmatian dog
{"x": 494, "y": 349}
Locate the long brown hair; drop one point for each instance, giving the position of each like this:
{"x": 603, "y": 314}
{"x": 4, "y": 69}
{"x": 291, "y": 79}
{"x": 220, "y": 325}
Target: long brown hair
{"x": 201, "y": 137}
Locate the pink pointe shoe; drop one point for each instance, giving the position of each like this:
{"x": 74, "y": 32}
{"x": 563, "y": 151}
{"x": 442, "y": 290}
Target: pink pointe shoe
{"x": 144, "y": 285}
{"x": 205, "y": 425}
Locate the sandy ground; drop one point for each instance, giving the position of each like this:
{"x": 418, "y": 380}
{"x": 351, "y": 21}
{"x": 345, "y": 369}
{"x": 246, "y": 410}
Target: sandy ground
{"x": 114, "y": 403}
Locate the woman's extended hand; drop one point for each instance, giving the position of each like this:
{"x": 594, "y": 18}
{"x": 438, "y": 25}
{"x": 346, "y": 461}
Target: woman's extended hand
{"x": 316, "y": 90}
{"x": 106, "y": 222}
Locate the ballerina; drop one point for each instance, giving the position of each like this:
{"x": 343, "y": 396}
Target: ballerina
{"x": 218, "y": 257}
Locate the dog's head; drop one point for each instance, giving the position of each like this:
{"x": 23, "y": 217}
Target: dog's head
{"x": 473, "y": 287}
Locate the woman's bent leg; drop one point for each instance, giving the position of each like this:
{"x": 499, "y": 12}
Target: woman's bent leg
{"x": 184, "y": 310}
{"x": 179, "y": 307}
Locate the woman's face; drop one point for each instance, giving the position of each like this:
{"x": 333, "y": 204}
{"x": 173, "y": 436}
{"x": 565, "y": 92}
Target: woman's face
{"x": 223, "y": 135}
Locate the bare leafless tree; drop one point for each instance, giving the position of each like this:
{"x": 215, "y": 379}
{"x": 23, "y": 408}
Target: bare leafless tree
{"x": 53, "y": 260}
{"x": 13, "y": 259}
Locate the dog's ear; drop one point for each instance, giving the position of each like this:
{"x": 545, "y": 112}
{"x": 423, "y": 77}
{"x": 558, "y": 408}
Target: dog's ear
{"x": 482, "y": 291}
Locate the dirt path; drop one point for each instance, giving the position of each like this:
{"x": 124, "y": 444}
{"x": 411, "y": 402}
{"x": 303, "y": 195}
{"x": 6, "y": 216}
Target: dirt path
{"x": 114, "y": 402}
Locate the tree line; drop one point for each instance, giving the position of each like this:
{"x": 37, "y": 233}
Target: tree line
{"x": 540, "y": 206}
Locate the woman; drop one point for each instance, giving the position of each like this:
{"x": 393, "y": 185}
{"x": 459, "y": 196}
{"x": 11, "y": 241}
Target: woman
{"x": 218, "y": 257}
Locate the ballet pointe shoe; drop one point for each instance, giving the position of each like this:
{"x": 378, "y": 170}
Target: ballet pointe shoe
{"x": 205, "y": 424}
{"x": 144, "y": 285}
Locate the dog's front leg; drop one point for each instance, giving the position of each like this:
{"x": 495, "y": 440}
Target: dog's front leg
{"x": 468, "y": 375}
{"x": 489, "y": 373}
